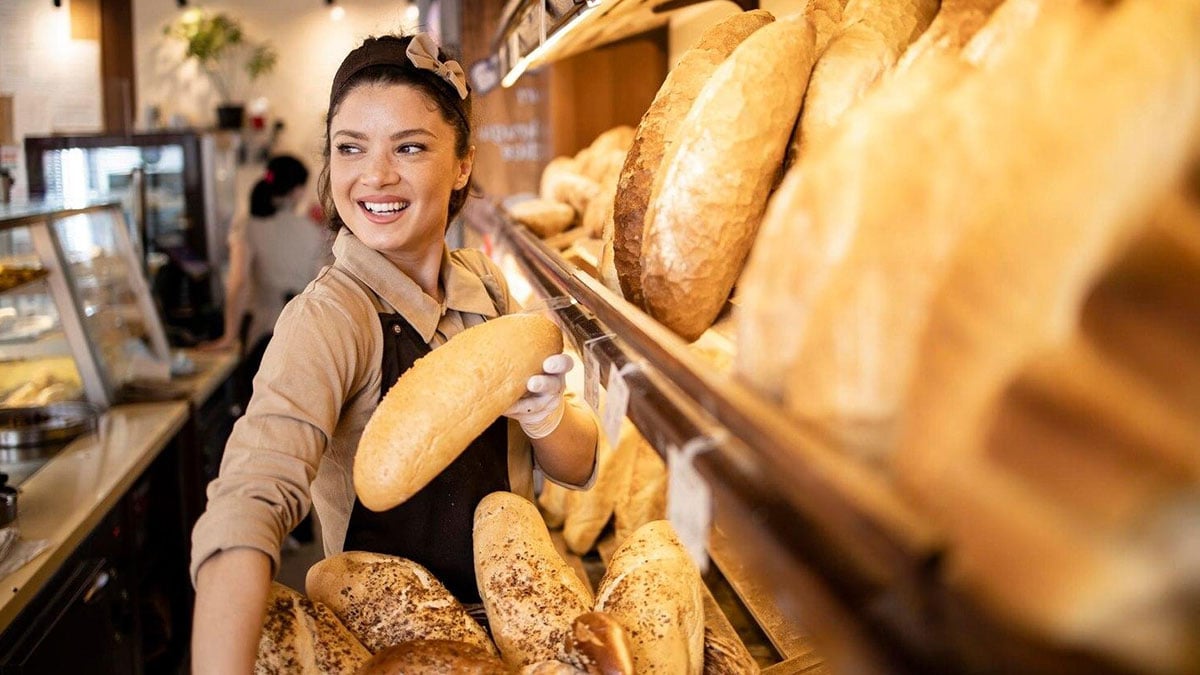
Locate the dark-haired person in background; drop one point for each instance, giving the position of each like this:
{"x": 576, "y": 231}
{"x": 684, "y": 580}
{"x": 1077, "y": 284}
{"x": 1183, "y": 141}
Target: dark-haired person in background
{"x": 273, "y": 253}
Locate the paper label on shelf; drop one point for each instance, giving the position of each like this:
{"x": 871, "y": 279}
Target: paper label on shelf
{"x": 689, "y": 499}
{"x": 591, "y": 372}
{"x": 616, "y": 402}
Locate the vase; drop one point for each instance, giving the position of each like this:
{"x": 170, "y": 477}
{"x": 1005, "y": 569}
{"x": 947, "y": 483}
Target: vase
{"x": 230, "y": 116}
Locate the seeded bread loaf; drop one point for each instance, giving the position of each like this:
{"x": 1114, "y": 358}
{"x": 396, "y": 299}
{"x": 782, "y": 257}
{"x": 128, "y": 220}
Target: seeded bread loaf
{"x": 530, "y": 594}
{"x": 658, "y": 131}
{"x": 302, "y": 636}
{"x": 433, "y": 657}
{"x": 710, "y": 195}
{"x": 653, "y": 589}
{"x": 385, "y": 600}
{"x": 445, "y": 401}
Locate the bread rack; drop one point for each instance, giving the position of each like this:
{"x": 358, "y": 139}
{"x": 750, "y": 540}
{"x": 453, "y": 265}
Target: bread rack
{"x": 805, "y": 535}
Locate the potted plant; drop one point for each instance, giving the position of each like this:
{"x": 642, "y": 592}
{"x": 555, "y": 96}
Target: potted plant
{"x": 223, "y": 52}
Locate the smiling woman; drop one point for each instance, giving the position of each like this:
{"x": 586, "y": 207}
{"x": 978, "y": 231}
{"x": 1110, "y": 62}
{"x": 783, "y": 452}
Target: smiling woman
{"x": 398, "y": 159}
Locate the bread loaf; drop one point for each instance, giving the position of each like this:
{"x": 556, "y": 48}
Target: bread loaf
{"x": 955, "y": 24}
{"x": 598, "y": 644}
{"x": 874, "y": 34}
{"x": 607, "y": 268}
{"x": 301, "y": 636}
{"x": 1037, "y": 358}
{"x": 653, "y": 589}
{"x": 445, "y": 401}
{"x": 433, "y": 657}
{"x": 600, "y": 208}
{"x": 588, "y": 511}
{"x": 385, "y": 600}
{"x": 710, "y": 196}
{"x": 1008, "y": 23}
{"x": 544, "y": 217}
{"x": 552, "y": 502}
{"x": 530, "y": 594}
{"x": 552, "y": 668}
{"x": 658, "y": 131}
{"x": 642, "y": 492}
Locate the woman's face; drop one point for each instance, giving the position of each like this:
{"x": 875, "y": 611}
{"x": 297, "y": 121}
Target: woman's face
{"x": 392, "y": 167}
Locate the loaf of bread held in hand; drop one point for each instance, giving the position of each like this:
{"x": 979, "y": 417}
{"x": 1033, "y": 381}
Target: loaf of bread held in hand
{"x": 658, "y": 131}
{"x": 445, "y": 401}
{"x": 530, "y": 594}
{"x": 710, "y": 196}
{"x": 433, "y": 657}
{"x": 653, "y": 589}
{"x": 385, "y": 600}
{"x": 302, "y": 636}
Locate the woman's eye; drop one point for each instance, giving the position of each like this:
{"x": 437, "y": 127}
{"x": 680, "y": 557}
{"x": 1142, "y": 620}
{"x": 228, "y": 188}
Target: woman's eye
{"x": 410, "y": 149}
{"x": 347, "y": 149}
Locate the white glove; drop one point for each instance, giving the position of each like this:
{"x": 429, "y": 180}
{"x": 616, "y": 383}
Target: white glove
{"x": 540, "y": 410}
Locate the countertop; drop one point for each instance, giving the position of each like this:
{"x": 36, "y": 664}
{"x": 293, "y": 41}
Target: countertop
{"x": 64, "y": 500}
{"x": 212, "y": 369}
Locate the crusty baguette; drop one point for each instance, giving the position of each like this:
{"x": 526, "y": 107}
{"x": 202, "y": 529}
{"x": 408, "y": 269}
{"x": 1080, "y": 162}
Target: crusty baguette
{"x": 642, "y": 493}
{"x": 874, "y": 34}
{"x": 708, "y": 199}
{"x": 552, "y": 502}
{"x": 805, "y": 230}
{"x": 653, "y": 589}
{"x": 1016, "y": 360}
{"x": 658, "y": 131}
{"x": 599, "y": 644}
{"x": 433, "y": 657}
{"x": 445, "y": 401}
{"x": 956, "y": 23}
{"x": 385, "y": 600}
{"x": 588, "y": 511}
{"x": 530, "y": 593}
{"x": 1011, "y": 20}
{"x": 546, "y": 218}
{"x": 302, "y": 636}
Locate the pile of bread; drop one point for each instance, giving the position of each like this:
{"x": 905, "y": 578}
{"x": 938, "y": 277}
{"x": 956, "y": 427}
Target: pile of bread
{"x": 965, "y": 238}
{"x": 380, "y": 615}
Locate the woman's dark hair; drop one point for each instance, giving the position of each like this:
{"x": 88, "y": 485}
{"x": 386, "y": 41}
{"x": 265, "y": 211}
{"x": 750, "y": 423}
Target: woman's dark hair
{"x": 454, "y": 109}
{"x": 284, "y": 173}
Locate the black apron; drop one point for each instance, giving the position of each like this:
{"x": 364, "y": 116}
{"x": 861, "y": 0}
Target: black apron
{"x": 434, "y": 526}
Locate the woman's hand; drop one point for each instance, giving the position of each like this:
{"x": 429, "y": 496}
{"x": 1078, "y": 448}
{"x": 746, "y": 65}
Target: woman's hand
{"x": 540, "y": 410}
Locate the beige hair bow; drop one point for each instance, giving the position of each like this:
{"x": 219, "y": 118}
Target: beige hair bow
{"x": 422, "y": 51}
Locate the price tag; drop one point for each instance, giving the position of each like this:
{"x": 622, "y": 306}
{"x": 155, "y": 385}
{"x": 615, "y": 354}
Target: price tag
{"x": 689, "y": 499}
{"x": 591, "y": 371}
{"x": 616, "y": 402}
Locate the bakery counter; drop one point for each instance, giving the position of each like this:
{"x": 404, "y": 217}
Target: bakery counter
{"x": 212, "y": 370}
{"x": 71, "y": 494}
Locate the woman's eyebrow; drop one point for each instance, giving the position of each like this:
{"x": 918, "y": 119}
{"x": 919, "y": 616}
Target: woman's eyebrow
{"x": 404, "y": 133}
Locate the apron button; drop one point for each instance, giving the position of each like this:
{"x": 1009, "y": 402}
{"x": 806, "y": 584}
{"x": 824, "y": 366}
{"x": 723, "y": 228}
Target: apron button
{"x": 396, "y": 329}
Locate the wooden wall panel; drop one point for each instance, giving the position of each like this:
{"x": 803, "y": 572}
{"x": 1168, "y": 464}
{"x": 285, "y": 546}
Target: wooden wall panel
{"x": 116, "y": 65}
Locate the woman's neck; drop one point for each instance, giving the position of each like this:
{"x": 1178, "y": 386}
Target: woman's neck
{"x": 424, "y": 267}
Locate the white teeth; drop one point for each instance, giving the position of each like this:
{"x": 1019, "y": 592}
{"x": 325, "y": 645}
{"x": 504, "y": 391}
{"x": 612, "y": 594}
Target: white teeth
{"x": 385, "y": 207}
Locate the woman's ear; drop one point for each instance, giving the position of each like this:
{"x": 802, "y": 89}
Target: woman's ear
{"x": 464, "y": 169}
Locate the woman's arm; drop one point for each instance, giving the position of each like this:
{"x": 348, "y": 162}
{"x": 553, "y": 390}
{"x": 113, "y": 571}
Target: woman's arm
{"x": 568, "y": 454}
{"x": 231, "y": 599}
{"x": 237, "y": 289}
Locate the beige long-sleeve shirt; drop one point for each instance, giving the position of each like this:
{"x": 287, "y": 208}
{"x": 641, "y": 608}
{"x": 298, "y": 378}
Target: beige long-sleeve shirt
{"x": 317, "y": 386}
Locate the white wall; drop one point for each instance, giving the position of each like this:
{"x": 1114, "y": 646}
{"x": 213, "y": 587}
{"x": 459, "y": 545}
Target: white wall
{"x": 310, "y": 45}
{"x": 54, "y": 80}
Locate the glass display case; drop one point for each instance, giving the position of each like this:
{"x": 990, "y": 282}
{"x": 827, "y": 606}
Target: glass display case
{"x": 77, "y": 320}
{"x": 178, "y": 191}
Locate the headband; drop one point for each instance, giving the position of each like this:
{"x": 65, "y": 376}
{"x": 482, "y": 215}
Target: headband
{"x": 388, "y": 50}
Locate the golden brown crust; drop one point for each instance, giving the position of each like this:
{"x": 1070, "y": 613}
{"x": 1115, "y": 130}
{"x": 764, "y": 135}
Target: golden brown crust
{"x": 588, "y": 511}
{"x": 530, "y": 593}
{"x": 642, "y": 491}
{"x": 433, "y": 657}
{"x": 599, "y": 645}
{"x": 725, "y": 657}
{"x": 544, "y": 217}
{"x": 302, "y": 636}
{"x": 657, "y": 131}
{"x": 385, "y": 600}
{"x": 446, "y": 400}
{"x": 709, "y": 197}
{"x": 653, "y": 589}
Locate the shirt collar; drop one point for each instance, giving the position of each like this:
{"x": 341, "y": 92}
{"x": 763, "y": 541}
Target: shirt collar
{"x": 464, "y": 290}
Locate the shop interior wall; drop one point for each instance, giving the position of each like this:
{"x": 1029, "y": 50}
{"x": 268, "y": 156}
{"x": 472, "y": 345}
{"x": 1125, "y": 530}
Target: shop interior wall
{"x": 53, "y": 79}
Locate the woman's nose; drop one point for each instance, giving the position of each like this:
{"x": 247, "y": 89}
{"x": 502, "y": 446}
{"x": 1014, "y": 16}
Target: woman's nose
{"x": 380, "y": 171}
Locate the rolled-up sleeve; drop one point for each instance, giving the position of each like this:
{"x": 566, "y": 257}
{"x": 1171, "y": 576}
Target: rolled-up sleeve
{"x": 310, "y": 369}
